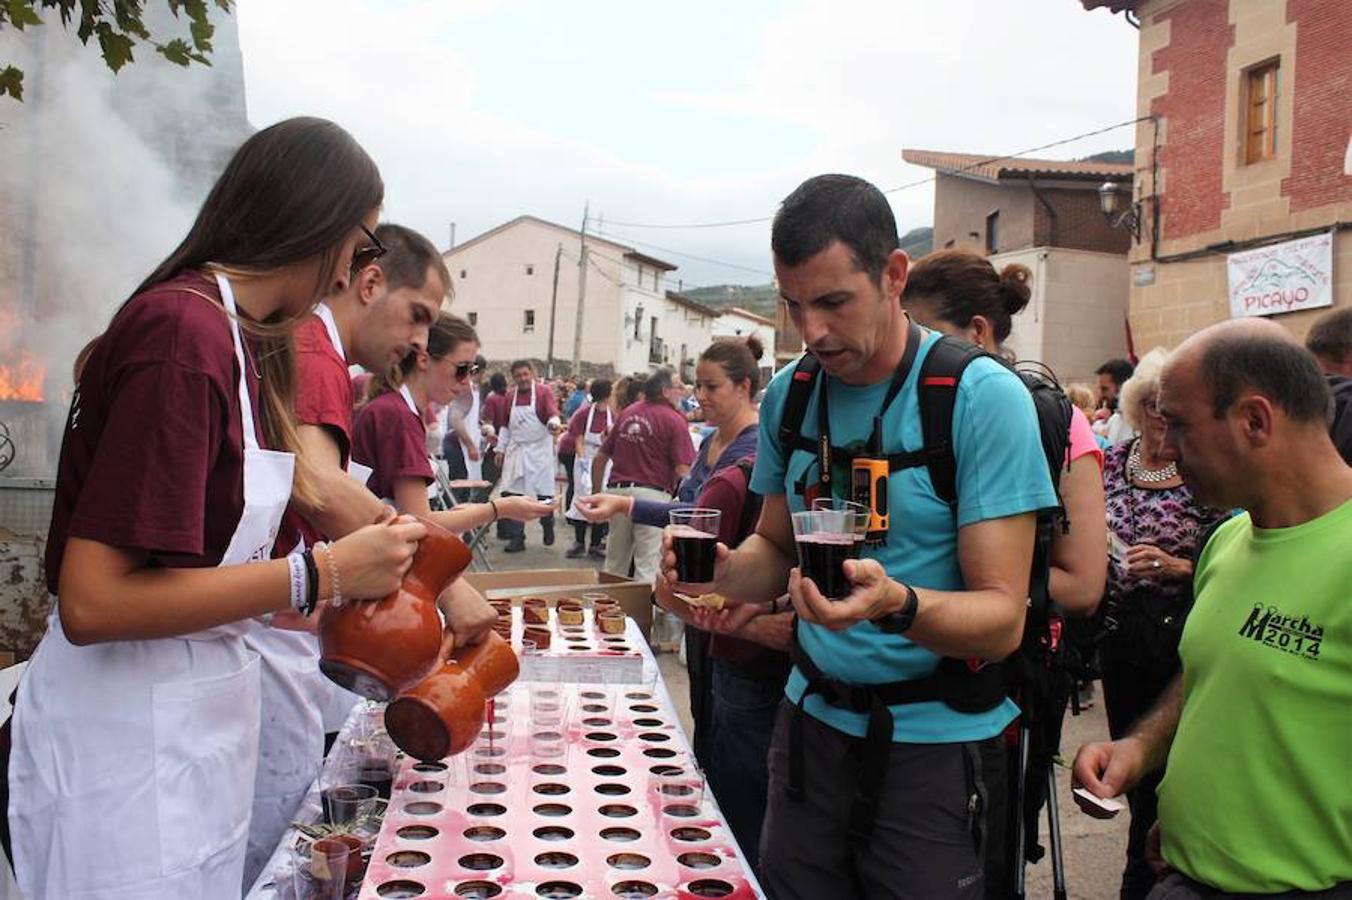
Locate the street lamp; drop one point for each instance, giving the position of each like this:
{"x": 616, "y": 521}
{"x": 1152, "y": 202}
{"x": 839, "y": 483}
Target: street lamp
{"x": 1118, "y": 213}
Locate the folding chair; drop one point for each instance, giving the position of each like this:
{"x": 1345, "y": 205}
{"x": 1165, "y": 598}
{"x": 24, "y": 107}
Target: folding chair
{"x": 454, "y": 493}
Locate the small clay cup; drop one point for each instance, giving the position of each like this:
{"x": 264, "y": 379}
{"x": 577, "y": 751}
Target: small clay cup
{"x": 379, "y": 648}
{"x": 570, "y": 612}
{"x": 537, "y": 635}
{"x": 442, "y": 714}
{"x": 611, "y": 621}
{"x": 535, "y": 611}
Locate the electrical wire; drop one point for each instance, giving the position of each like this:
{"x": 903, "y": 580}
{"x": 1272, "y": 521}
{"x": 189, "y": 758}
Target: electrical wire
{"x": 901, "y": 187}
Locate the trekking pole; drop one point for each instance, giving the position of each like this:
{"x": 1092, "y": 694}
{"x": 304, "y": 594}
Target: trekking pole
{"x": 1054, "y": 827}
{"x": 1019, "y": 857}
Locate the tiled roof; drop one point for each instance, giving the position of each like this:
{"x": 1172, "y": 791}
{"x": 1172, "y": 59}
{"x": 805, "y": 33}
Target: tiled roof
{"x": 1114, "y": 6}
{"x": 682, "y": 300}
{"x": 992, "y": 168}
{"x": 625, "y": 249}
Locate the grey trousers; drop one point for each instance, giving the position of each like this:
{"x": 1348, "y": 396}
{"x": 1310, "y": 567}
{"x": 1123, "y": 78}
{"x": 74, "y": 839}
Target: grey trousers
{"x": 929, "y": 837}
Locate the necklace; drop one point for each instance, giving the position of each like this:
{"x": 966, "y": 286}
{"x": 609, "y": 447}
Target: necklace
{"x": 1138, "y": 472}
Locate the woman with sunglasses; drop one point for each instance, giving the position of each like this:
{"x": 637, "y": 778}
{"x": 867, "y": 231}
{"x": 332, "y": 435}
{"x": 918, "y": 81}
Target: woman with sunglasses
{"x": 390, "y": 433}
{"x": 135, "y": 733}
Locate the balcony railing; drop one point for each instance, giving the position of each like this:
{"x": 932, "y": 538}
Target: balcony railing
{"x": 657, "y": 351}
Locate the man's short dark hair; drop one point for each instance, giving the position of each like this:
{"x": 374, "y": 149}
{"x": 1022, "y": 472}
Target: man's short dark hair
{"x": 521, "y": 364}
{"x": 1119, "y": 370}
{"x": 497, "y": 383}
{"x": 1271, "y": 365}
{"x": 656, "y": 383}
{"x": 1330, "y": 336}
{"x": 831, "y": 208}
{"x": 408, "y": 255}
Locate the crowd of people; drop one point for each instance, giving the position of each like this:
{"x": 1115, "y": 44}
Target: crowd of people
{"x": 1186, "y": 521}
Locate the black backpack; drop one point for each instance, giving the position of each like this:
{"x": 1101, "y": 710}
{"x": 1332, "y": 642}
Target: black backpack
{"x": 1041, "y": 674}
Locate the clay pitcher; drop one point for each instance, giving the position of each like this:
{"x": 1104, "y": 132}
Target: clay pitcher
{"x": 377, "y": 649}
{"x": 442, "y": 714}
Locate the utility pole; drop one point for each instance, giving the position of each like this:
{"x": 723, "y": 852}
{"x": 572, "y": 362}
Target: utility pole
{"x": 452, "y": 247}
{"x": 581, "y": 293}
{"x": 553, "y": 308}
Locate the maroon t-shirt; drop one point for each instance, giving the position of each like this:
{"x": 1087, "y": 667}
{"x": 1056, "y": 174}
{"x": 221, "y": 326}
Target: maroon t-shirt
{"x": 391, "y": 439}
{"x": 153, "y": 454}
{"x": 647, "y": 444}
{"x": 546, "y": 405}
{"x": 323, "y": 388}
{"x": 578, "y": 422}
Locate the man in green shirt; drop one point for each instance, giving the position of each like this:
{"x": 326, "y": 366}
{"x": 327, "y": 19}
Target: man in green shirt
{"x": 1257, "y": 731}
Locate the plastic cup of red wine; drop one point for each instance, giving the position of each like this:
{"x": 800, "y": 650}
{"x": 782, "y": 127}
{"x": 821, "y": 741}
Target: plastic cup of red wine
{"x": 826, "y": 536}
{"x": 694, "y": 537}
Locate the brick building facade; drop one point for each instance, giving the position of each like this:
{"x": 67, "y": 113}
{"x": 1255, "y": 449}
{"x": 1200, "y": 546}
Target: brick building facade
{"x": 1251, "y": 105}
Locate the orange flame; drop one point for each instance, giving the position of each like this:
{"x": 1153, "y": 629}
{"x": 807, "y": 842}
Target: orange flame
{"x": 22, "y": 380}
{"x": 21, "y": 373}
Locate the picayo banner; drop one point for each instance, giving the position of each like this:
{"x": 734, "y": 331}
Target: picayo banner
{"x": 1282, "y": 278}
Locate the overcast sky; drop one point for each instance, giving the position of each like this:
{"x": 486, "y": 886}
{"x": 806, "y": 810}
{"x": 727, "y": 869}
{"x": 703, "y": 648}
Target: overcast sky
{"x": 671, "y": 113}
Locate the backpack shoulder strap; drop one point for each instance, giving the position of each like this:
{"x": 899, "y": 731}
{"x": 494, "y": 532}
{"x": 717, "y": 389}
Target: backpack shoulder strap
{"x": 751, "y": 501}
{"x": 940, "y": 375}
{"x": 795, "y": 404}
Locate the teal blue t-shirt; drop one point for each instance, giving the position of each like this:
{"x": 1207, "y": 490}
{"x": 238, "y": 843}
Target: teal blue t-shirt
{"x": 1001, "y": 472}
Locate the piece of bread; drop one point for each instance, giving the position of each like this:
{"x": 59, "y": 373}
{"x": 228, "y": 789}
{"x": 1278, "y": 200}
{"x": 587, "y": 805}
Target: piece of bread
{"x": 708, "y": 601}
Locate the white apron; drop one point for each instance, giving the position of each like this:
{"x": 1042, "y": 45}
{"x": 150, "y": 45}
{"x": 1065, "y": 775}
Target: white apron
{"x": 528, "y": 462}
{"x": 133, "y": 761}
{"x": 296, "y": 700}
{"x": 582, "y": 465}
{"x": 474, "y": 468}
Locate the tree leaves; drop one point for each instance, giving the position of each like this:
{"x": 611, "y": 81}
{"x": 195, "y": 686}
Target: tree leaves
{"x": 11, "y": 82}
{"x": 119, "y": 27}
{"x": 19, "y": 13}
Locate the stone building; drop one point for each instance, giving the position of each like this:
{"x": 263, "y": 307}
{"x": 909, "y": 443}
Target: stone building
{"x": 1245, "y": 146}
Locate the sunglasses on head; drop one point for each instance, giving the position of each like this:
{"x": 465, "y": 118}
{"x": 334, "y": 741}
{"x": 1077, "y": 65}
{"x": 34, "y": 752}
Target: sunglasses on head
{"x": 364, "y": 256}
{"x": 465, "y": 370}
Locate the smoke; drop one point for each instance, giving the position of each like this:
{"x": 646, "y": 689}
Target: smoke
{"x": 89, "y": 200}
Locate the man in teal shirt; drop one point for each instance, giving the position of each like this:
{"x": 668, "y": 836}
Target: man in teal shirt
{"x": 946, "y": 582}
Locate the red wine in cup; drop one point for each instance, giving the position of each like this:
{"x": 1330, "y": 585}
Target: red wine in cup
{"x": 695, "y": 552}
{"x": 821, "y": 557}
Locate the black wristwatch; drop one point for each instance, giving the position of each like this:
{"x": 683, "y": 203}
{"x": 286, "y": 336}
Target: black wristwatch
{"x": 901, "y": 620}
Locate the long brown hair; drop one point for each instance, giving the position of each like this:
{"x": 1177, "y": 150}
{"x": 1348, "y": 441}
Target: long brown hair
{"x": 292, "y": 192}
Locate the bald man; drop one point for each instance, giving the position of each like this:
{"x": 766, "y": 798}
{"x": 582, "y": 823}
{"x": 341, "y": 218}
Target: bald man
{"x": 1256, "y": 797}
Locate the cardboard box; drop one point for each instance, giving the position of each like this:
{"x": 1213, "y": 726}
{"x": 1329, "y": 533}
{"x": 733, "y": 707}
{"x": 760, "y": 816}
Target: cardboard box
{"x": 634, "y": 596}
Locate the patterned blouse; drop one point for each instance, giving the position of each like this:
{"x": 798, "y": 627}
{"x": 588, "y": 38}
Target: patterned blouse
{"x": 1167, "y": 518}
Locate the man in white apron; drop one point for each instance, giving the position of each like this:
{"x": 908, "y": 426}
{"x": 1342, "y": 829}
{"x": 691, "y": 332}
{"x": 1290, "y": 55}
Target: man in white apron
{"x": 528, "y": 463}
{"x": 373, "y": 323}
{"x": 154, "y": 802}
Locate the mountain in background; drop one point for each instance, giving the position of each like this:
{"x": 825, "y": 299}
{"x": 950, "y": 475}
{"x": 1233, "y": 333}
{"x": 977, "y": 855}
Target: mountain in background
{"x": 1111, "y": 156}
{"x": 761, "y": 299}
{"x": 918, "y": 241}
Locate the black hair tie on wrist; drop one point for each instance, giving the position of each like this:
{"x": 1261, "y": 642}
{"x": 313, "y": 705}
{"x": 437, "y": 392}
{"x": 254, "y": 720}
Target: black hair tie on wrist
{"x": 311, "y": 582}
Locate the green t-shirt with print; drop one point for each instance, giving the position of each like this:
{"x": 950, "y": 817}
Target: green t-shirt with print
{"x": 1257, "y": 794}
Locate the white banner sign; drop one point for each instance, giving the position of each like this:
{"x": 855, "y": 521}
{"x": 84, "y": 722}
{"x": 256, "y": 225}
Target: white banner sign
{"x": 1282, "y": 278}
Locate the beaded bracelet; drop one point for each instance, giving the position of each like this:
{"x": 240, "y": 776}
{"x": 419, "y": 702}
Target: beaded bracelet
{"x": 336, "y": 591}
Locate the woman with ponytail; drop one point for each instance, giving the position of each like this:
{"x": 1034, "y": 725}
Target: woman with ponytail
{"x": 135, "y": 733}
{"x": 959, "y": 292}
